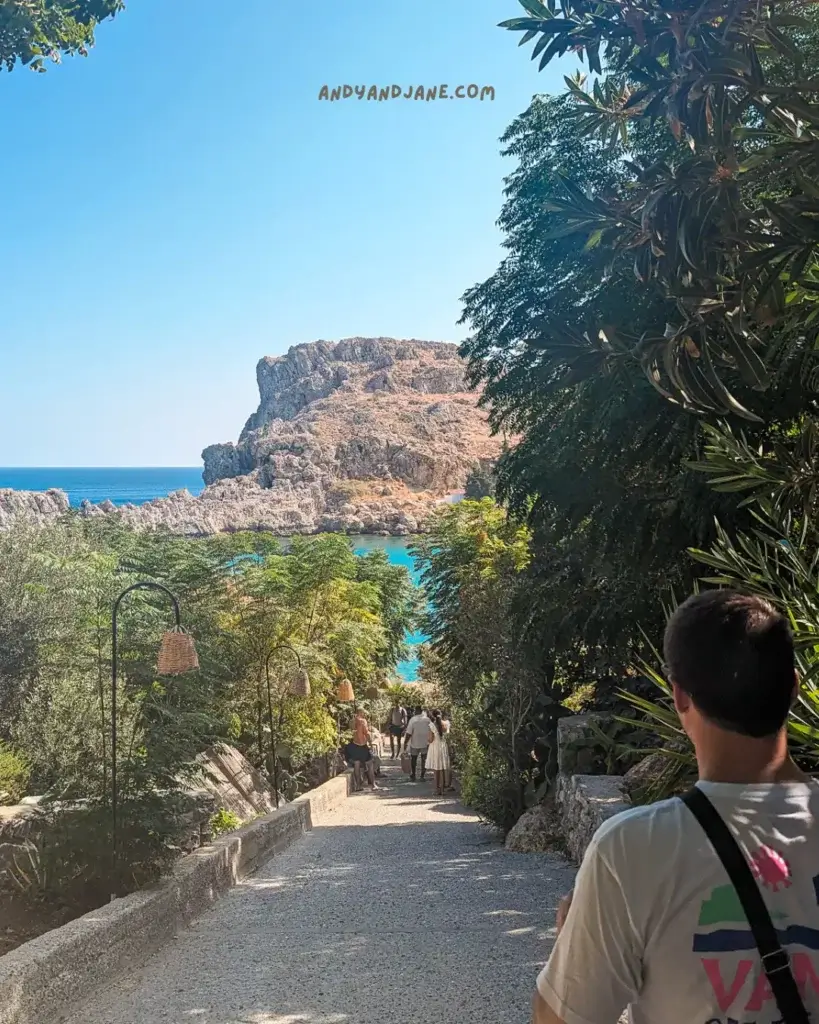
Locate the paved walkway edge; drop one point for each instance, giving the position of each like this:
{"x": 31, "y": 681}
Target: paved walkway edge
{"x": 42, "y": 977}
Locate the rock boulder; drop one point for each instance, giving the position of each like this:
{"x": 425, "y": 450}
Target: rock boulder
{"x": 536, "y": 831}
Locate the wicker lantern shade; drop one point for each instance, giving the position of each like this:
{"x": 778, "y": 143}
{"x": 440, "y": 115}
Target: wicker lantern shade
{"x": 177, "y": 654}
{"x": 345, "y": 690}
{"x": 372, "y": 692}
{"x": 300, "y": 684}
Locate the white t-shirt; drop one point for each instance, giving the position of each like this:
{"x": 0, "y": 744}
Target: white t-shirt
{"x": 418, "y": 732}
{"x": 656, "y": 925}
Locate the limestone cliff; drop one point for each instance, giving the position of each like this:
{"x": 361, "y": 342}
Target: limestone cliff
{"x": 364, "y": 435}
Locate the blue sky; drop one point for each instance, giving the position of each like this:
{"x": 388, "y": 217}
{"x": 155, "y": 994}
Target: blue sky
{"x": 180, "y": 203}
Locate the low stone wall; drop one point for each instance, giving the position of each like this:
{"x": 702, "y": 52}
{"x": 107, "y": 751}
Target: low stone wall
{"x": 42, "y": 977}
{"x": 584, "y": 802}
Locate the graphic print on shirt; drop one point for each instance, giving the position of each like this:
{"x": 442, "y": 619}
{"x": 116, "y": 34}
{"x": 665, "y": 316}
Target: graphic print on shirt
{"x": 741, "y": 990}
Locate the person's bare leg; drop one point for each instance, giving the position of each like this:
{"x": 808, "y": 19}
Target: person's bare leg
{"x": 357, "y": 775}
{"x": 371, "y": 773}
{"x": 439, "y": 783}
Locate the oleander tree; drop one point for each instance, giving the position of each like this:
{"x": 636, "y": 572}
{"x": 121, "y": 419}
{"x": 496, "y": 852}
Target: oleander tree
{"x": 600, "y": 470}
{"x": 650, "y": 337}
{"x": 721, "y": 220}
{"x": 606, "y": 465}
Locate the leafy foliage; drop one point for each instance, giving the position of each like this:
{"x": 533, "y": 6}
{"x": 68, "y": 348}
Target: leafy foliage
{"x": 776, "y": 559}
{"x": 14, "y": 775}
{"x": 224, "y": 821}
{"x": 255, "y": 611}
{"x": 660, "y": 261}
{"x": 67, "y": 862}
{"x": 489, "y": 665}
{"x": 601, "y": 467}
{"x": 33, "y": 31}
{"x": 722, "y": 220}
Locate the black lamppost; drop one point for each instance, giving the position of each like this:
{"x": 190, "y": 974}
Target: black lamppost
{"x": 177, "y": 654}
{"x": 299, "y": 686}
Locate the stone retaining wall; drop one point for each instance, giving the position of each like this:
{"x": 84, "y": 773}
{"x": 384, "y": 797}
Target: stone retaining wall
{"x": 584, "y": 801}
{"x": 41, "y": 978}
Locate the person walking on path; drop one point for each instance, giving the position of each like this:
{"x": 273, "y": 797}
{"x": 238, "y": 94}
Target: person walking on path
{"x": 359, "y": 753}
{"x": 679, "y": 907}
{"x": 398, "y": 723}
{"x": 416, "y": 739}
{"x": 438, "y": 754}
{"x": 448, "y": 784}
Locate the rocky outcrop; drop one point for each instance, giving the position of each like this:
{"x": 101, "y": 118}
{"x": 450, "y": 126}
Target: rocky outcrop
{"x": 364, "y": 435}
{"x": 536, "y": 831}
{"x": 662, "y": 774}
{"x": 359, "y": 409}
{"x": 31, "y": 505}
{"x": 583, "y": 801}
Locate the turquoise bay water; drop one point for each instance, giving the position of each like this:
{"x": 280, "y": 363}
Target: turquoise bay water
{"x": 398, "y": 553}
{"x": 138, "y": 485}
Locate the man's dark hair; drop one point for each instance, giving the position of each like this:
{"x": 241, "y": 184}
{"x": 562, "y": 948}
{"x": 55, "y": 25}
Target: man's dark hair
{"x": 733, "y": 655}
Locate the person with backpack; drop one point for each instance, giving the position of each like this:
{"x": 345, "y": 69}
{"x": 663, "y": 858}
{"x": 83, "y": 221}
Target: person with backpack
{"x": 704, "y": 909}
{"x": 398, "y": 723}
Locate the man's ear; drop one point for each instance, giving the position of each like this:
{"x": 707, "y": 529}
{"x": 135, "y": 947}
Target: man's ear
{"x": 682, "y": 702}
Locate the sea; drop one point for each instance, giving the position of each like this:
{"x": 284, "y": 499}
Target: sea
{"x": 124, "y": 485}
{"x": 138, "y": 485}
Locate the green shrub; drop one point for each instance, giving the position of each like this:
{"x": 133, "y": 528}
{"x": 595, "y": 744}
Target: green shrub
{"x": 488, "y": 788}
{"x": 581, "y": 698}
{"x": 67, "y": 861}
{"x": 14, "y": 775}
{"x": 224, "y": 821}
{"x": 58, "y": 728}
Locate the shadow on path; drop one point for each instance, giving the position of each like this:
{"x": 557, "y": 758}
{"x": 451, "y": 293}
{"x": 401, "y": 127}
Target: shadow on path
{"x": 399, "y": 904}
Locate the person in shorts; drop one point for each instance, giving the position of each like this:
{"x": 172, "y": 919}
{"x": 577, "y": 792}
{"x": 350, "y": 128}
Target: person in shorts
{"x": 359, "y": 752}
{"x": 398, "y": 723}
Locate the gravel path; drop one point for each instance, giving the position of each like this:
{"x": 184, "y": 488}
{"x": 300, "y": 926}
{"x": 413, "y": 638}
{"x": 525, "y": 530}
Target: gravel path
{"x": 397, "y": 907}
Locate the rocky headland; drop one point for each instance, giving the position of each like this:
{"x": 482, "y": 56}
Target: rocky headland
{"x": 364, "y": 435}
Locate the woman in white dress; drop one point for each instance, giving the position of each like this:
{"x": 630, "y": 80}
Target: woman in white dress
{"x": 438, "y": 753}
{"x": 448, "y": 786}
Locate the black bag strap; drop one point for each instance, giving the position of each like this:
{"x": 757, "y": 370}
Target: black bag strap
{"x": 776, "y": 963}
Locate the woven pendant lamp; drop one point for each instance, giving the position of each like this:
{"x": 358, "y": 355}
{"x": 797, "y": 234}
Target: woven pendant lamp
{"x": 177, "y": 654}
{"x": 372, "y": 692}
{"x": 345, "y": 690}
{"x": 300, "y": 684}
